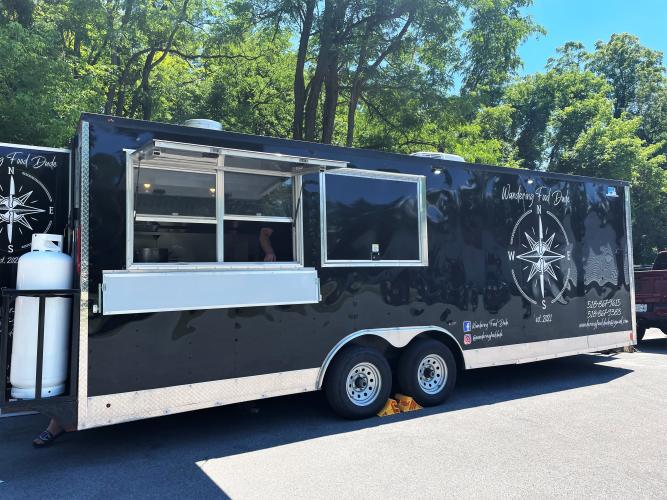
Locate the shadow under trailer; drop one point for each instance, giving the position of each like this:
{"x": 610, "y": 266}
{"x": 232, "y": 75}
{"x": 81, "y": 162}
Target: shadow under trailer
{"x": 212, "y": 267}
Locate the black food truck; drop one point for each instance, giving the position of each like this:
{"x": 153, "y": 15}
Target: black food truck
{"x": 212, "y": 267}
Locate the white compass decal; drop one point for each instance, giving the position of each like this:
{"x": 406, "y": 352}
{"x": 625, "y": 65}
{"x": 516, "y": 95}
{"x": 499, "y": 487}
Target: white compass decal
{"x": 16, "y": 209}
{"x": 26, "y": 207}
{"x": 540, "y": 254}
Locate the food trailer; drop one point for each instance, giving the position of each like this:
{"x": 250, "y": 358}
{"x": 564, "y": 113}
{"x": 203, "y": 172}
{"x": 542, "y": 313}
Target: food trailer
{"x": 212, "y": 267}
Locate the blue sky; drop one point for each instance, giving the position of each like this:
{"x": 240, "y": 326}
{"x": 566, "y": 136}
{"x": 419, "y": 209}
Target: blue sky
{"x": 588, "y": 21}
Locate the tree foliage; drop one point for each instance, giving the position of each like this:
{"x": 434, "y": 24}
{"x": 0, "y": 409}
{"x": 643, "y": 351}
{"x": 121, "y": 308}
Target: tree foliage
{"x": 395, "y": 75}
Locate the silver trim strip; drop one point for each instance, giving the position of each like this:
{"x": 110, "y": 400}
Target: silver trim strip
{"x": 374, "y": 263}
{"x": 379, "y": 174}
{"x": 128, "y": 406}
{"x": 242, "y": 153}
{"x": 207, "y": 266}
{"x": 206, "y": 170}
{"x": 129, "y": 209}
{"x": 220, "y": 210}
{"x": 397, "y": 337}
{"x": 423, "y": 221}
{"x": 175, "y": 218}
{"x": 631, "y": 261}
{"x": 259, "y": 218}
{"x": 84, "y": 145}
{"x": 255, "y": 171}
{"x": 545, "y": 349}
{"x": 297, "y": 228}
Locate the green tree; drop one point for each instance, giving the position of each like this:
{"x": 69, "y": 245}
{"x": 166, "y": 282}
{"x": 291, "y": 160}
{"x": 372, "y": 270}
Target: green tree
{"x": 611, "y": 149}
{"x": 40, "y": 99}
{"x": 249, "y": 90}
{"x": 630, "y": 68}
{"x": 497, "y": 28}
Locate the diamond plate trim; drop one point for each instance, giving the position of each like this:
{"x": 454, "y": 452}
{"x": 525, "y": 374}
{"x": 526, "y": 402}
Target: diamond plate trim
{"x": 546, "y": 349}
{"x": 127, "y": 406}
{"x": 84, "y": 162}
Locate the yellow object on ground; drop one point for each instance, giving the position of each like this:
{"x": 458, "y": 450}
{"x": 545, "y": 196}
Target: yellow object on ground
{"x": 406, "y": 403}
{"x": 390, "y": 408}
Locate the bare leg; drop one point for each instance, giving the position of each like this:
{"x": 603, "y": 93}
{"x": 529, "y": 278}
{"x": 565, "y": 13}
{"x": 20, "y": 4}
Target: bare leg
{"x": 54, "y": 427}
{"x": 47, "y": 437}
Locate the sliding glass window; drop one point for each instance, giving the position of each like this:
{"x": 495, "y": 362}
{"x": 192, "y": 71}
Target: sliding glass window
{"x": 175, "y": 216}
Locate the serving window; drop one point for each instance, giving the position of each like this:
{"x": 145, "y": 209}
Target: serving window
{"x": 192, "y": 205}
{"x": 373, "y": 219}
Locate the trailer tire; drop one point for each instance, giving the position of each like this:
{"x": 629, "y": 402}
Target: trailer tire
{"x": 427, "y": 372}
{"x": 358, "y": 382}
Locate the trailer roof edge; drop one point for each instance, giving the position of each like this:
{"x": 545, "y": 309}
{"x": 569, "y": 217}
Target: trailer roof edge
{"x": 187, "y": 130}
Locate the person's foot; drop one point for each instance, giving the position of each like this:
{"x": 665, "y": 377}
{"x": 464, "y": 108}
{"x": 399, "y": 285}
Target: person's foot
{"x": 46, "y": 438}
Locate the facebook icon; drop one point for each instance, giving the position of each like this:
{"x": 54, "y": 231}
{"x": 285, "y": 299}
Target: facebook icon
{"x": 467, "y": 326}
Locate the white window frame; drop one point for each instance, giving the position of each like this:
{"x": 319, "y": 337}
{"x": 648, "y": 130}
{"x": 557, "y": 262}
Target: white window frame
{"x": 218, "y": 168}
{"x": 418, "y": 180}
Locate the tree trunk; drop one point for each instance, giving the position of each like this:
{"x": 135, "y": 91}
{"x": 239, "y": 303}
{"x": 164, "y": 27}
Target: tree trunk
{"x": 330, "y": 99}
{"x": 355, "y": 91}
{"x": 146, "y": 100}
{"x": 326, "y": 41}
{"x": 111, "y": 92}
{"x": 299, "y": 82}
{"x": 364, "y": 71}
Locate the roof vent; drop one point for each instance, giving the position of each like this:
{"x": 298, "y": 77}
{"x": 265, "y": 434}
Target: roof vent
{"x": 439, "y": 156}
{"x": 203, "y": 123}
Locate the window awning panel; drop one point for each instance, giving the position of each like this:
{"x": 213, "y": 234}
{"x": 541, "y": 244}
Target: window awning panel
{"x": 160, "y": 153}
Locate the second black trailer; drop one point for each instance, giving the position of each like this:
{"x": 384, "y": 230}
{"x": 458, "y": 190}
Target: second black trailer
{"x": 217, "y": 267}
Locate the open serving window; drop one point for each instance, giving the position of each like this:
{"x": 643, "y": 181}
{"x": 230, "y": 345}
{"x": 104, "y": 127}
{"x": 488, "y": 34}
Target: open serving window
{"x": 212, "y": 227}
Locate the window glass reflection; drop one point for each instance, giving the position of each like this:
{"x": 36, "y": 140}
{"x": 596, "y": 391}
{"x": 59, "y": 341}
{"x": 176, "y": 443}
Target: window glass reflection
{"x": 174, "y": 193}
{"x": 174, "y": 242}
{"x": 371, "y": 219}
{"x": 261, "y": 195}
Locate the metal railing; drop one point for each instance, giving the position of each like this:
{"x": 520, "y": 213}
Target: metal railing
{"x": 9, "y": 295}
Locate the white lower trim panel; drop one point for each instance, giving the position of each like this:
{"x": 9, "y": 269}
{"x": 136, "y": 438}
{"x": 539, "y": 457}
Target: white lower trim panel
{"x": 127, "y": 406}
{"x": 546, "y": 349}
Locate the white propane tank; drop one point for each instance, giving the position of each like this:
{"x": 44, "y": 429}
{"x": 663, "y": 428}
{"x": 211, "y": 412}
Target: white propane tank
{"x": 45, "y": 267}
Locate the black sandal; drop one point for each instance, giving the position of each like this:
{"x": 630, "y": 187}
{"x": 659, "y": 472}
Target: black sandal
{"x": 45, "y": 439}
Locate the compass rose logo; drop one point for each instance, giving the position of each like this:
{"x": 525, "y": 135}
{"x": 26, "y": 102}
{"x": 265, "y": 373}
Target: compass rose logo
{"x": 540, "y": 255}
{"x": 26, "y": 207}
{"x": 16, "y": 209}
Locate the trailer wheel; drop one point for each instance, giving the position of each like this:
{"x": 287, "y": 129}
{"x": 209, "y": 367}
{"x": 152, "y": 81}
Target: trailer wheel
{"x": 358, "y": 383}
{"x": 427, "y": 372}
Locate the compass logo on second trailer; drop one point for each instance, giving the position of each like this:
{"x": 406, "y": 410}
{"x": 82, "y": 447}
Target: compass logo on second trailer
{"x": 540, "y": 255}
{"x": 26, "y": 207}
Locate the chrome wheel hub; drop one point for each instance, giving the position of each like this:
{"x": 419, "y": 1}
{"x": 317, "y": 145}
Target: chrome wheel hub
{"x": 432, "y": 374}
{"x": 363, "y": 384}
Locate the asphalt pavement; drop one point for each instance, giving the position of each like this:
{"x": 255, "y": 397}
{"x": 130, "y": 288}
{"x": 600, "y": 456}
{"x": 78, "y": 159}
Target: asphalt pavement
{"x": 589, "y": 426}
